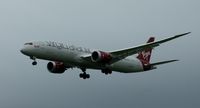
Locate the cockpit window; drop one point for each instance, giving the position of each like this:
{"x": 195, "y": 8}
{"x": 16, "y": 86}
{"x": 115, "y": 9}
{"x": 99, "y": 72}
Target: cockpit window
{"x": 28, "y": 43}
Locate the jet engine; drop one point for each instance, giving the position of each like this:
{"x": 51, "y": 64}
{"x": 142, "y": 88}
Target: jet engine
{"x": 102, "y": 57}
{"x": 56, "y": 67}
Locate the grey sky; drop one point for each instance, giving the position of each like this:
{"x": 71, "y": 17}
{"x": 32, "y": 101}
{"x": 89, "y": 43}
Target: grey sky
{"x": 106, "y": 25}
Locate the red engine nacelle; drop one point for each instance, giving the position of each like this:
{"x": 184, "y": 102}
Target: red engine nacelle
{"x": 56, "y": 67}
{"x": 99, "y": 56}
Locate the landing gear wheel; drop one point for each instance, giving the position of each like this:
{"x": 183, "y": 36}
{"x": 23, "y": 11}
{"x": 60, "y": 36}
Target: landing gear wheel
{"x": 87, "y": 76}
{"x": 106, "y": 71}
{"x": 81, "y": 75}
{"x": 84, "y": 77}
{"x": 34, "y": 63}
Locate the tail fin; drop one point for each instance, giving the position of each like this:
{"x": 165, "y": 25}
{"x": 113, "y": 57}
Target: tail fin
{"x": 145, "y": 55}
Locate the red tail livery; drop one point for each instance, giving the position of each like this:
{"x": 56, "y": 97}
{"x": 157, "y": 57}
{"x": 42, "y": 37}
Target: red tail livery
{"x": 145, "y": 55}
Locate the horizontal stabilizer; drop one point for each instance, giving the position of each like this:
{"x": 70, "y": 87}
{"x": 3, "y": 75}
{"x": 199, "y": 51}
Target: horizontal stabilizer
{"x": 163, "y": 62}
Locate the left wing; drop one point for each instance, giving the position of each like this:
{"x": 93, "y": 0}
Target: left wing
{"x": 121, "y": 54}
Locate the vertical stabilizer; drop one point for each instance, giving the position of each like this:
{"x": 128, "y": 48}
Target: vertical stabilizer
{"x": 145, "y": 56}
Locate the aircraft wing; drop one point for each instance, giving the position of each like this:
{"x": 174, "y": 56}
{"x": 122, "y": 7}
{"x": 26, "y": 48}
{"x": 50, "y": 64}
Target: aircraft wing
{"x": 121, "y": 54}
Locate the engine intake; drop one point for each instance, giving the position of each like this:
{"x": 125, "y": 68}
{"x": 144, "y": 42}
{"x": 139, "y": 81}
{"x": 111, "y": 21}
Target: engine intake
{"x": 99, "y": 56}
{"x": 56, "y": 67}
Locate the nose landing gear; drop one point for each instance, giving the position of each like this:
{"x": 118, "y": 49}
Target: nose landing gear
{"x": 34, "y": 61}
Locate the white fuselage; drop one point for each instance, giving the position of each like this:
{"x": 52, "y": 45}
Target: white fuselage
{"x": 71, "y": 56}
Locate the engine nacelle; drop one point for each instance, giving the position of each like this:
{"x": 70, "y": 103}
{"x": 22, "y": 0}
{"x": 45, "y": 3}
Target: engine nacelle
{"x": 99, "y": 56}
{"x": 56, "y": 67}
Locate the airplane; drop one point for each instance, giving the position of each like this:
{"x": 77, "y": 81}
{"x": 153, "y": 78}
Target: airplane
{"x": 64, "y": 56}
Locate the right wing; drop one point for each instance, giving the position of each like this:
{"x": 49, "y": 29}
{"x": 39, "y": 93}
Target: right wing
{"x": 163, "y": 62}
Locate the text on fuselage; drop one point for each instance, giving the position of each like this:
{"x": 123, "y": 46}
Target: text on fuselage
{"x": 69, "y": 47}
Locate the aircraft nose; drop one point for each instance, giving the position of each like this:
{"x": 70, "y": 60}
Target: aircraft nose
{"x": 27, "y": 49}
{"x": 23, "y": 51}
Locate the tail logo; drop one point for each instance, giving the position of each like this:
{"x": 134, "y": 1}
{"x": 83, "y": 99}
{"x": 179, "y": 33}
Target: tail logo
{"x": 146, "y": 54}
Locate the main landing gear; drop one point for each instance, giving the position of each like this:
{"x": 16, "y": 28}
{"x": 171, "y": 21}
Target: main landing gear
{"x": 84, "y": 75}
{"x": 34, "y": 61}
{"x": 106, "y": 71}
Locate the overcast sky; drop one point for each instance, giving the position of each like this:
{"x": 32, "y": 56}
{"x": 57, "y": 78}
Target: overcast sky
{"x": 106, "y": 25}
